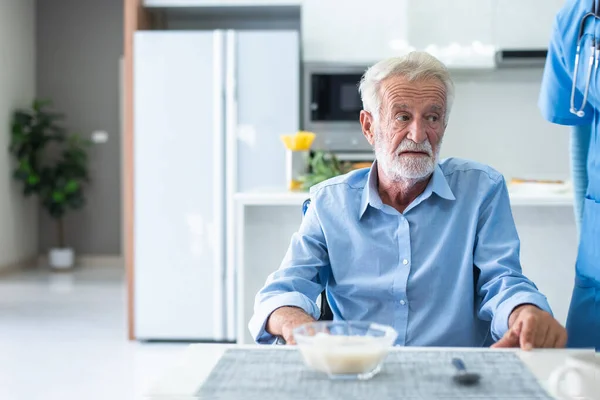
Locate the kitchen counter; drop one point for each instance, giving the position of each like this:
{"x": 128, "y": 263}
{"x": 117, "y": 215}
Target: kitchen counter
{"x": 272, "y": 196}
{"x": 276, "y": 196}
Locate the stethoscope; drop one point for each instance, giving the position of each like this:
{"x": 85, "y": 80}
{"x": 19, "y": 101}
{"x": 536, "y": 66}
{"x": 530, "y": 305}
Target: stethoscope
{"x": 592, "y": 62}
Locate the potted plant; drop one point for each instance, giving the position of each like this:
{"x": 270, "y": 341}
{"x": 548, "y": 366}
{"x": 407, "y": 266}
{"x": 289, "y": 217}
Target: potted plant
{"x": 52, "y": 165}
{"x": 323, "y": 165}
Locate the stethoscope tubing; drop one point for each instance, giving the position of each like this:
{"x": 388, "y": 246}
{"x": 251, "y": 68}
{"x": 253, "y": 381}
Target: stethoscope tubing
{"x": 592, "y": 61}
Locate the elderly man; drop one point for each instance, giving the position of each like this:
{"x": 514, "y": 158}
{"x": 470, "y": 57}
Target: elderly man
{"x": 429, "y": 248}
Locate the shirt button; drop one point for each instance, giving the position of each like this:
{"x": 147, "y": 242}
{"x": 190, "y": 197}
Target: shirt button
{"x": 402, "y": 302}
{"x": 405, "y": 261}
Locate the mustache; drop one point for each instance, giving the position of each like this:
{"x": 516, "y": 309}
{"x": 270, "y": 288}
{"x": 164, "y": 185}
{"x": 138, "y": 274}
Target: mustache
{"x": 409, "y": 145}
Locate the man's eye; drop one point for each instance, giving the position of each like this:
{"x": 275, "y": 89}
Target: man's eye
{"x": 432, "y": 118}
{"x": 402, "y": 118}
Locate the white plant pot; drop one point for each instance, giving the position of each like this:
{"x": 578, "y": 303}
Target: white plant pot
{"x": 61, "y": 258}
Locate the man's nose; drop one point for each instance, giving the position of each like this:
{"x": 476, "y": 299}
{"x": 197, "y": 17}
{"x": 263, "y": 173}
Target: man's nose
{"x": 417, "y": 132}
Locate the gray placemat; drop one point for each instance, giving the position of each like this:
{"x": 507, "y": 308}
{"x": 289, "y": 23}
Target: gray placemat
{"x": 424, "y": 375}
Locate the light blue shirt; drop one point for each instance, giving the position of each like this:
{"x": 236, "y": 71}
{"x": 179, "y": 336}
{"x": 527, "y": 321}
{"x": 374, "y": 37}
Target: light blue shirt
{"x": 412, "y": 270}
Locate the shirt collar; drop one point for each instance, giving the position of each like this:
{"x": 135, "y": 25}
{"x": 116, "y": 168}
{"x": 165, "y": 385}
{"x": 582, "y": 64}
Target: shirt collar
{"x": 439, "y": 185}
{"x": 370, "y": 195}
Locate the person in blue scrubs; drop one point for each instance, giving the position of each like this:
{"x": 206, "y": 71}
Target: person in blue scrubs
{"x": 561, "y": 104}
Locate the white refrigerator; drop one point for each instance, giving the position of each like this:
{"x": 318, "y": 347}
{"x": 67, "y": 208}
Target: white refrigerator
{"x": 210, "y": 107}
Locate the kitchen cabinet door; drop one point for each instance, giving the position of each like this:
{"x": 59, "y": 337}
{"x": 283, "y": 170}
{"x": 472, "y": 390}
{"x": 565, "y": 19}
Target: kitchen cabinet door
{"x": 352, "y": 31}
{"x": 441, "y": 23}
{"x": 524, "y": 24}
{"x": 458, "y": 32}
{"x": 219, "y": 3}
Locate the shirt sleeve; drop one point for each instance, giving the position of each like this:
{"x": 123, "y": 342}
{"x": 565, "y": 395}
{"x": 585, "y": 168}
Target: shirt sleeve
{"x": 296, "y": 282}
{"x": 555, "y": 94}
{"x": 501, "y": 285}
{"x": 580, "y": 144}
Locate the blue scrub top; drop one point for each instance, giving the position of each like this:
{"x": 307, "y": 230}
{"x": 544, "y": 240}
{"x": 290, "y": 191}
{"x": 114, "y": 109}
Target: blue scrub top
{"x": 583, "y": 323}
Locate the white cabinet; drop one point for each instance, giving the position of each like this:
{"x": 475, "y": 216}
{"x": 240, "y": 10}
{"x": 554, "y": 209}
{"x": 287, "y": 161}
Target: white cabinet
{"x": 458, "y": 32}
{"x": 441, "y": 23}
{"x": 522, "y": 24}
{"x": 219, "y": 3}
{"x": 352, "y": 31}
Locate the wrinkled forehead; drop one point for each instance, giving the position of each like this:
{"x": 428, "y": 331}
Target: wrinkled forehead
{"x": 427, "y": 91}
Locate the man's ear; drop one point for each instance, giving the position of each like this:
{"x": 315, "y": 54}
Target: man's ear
{"x": 367, "y": 123}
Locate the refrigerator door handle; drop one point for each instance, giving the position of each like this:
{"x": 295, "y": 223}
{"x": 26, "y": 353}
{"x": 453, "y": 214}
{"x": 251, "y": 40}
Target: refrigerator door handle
{"x": 218, "y": 183}
{"x": 231, "y": 178}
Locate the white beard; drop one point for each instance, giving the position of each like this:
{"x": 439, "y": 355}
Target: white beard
{"x": 398, "y": 168}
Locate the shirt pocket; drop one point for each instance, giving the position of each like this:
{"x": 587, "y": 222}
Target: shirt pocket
{"x": 363, "y": 268}
{"x": 355, "y": 261}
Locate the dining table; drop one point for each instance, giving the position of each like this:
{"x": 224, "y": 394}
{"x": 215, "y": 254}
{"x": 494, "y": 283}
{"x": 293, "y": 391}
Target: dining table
{"x": 184, "y": 379}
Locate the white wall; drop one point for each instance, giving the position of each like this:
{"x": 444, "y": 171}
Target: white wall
{"x": 18, "y": 217}
{"x": 79, "y": 44}
{"x": 495, "y": 120}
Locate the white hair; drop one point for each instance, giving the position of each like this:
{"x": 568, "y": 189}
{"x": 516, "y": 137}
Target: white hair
{"x": 414, "y": 66}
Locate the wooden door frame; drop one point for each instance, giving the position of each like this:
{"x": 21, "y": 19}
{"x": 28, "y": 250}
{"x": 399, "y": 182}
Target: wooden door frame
{"x": 135, "y": 18}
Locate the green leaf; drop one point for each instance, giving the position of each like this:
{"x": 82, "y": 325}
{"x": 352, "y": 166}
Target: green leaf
{"x": 324, "y": 165}
{"x": 25, "y": 166}
{"x": 58, "y": 197}
{"x": 33, "y": 179}
{"x": 71, "y": 186}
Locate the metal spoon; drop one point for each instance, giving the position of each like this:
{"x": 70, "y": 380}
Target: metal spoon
{"x": 462, "y": 376}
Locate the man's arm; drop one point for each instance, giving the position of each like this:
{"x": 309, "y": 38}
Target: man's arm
{"x": 288, "y": 298}
{"x": 284, "y": 320}
{"x": 509, "y": 300}
{"x": 530, "y": 327}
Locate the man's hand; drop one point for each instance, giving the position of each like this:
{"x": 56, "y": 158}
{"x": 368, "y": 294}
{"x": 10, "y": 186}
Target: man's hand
{"x": 284, "y": 320}
{"x": 530, "y": 327}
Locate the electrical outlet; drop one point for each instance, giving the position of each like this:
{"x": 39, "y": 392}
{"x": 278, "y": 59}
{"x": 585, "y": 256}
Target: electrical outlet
{"x": 99, "y": 136}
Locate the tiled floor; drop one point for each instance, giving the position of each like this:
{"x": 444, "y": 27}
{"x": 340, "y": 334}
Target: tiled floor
{"x": 63, "y": 336}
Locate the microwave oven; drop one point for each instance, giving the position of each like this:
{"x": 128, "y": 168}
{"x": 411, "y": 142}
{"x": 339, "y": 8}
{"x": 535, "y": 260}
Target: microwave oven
{"x": 332, "y": 105}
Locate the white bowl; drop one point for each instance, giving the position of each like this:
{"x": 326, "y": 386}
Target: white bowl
{"x": 345, "y": 349}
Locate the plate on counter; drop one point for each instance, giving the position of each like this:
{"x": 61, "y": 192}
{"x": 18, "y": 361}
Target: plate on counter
{"x": 538, "y": 187}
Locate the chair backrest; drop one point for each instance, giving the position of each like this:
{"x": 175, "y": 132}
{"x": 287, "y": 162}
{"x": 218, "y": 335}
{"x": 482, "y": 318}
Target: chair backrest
{"x": 326, "y": 313}
{"x": 305, "y": 206}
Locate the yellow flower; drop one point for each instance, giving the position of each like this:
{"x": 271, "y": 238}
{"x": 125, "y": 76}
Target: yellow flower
{"x": 301, "y": 141}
